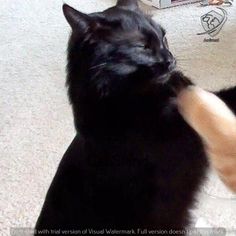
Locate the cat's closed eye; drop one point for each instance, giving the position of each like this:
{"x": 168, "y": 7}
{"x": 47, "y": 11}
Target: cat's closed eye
{"x": 140, "y": 45}
{"x": 143, "y": 46}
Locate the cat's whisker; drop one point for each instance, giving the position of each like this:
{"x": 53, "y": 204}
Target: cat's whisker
{"x": 183, "y": 64}
{"x": 97, "y": 66}
{"x": 186, "y": 59}
{"x": 182, "y": 68}
{"x": 182, "y": 59}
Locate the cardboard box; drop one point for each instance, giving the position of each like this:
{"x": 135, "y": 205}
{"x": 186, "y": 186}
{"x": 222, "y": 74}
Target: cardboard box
{"x": 167, "y": 3}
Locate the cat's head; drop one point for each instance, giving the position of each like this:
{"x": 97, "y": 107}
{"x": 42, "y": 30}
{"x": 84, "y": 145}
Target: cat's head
{"x": 115, "y": 51}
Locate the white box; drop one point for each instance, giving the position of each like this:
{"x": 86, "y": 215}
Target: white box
{"x": 167, "y": 3}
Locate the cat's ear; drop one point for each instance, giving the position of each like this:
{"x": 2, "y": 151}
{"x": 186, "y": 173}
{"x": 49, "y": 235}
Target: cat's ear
{"x": 77, "y": 20}
{"x": 128, "y": 4}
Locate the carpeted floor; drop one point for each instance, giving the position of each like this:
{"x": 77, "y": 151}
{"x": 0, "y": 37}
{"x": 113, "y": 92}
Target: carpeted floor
{"x": 36, "y": 123}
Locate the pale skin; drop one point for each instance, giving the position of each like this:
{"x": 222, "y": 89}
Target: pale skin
{"x": 216, "y": 125}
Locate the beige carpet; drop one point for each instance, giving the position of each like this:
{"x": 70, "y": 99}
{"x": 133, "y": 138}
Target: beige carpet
{"x": 34, "y": 107}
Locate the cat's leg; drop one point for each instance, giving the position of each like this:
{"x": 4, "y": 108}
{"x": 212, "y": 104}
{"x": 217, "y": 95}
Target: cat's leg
{"x": 210, "y": 117}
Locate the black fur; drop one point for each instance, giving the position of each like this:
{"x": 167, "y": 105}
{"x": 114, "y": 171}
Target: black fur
{"x": 134, "y": 163}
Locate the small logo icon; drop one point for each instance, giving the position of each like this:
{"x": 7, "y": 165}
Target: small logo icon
{"x": 213, "y": 21}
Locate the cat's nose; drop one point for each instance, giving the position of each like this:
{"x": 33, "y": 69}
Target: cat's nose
{"x": 171, "y": 64}
{"x": 168, "y": 65}
{"x": 168, "y": 60}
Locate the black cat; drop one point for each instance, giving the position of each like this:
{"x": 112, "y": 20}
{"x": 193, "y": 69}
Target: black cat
{"x": 135, "y": 164}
